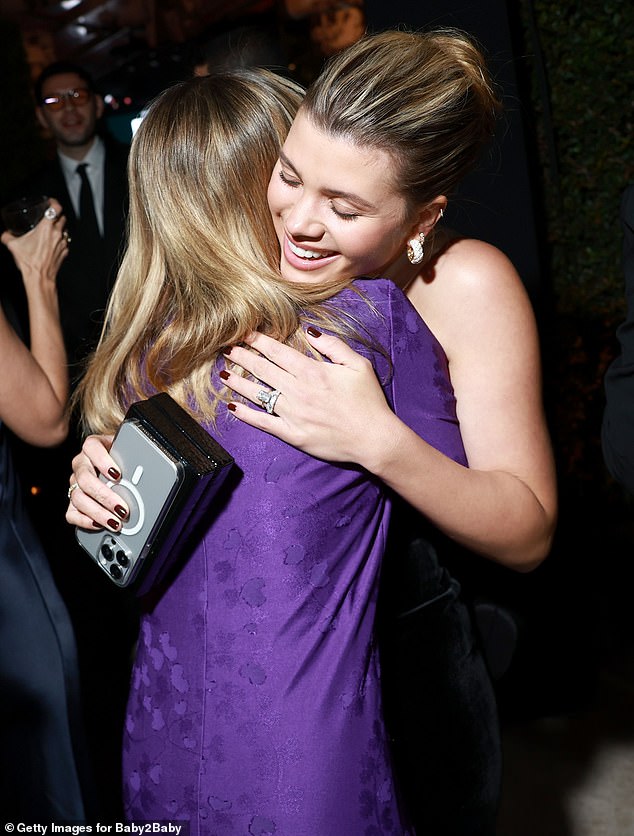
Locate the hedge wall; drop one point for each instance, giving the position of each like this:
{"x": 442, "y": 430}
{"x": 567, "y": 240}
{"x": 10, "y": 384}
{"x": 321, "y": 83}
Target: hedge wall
{"x": 586, "y": 143}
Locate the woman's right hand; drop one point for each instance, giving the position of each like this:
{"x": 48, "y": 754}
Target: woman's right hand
{"x": 39, "y": 253}
{"x": 92, "y": 503}
{"x": 334, "y": 411}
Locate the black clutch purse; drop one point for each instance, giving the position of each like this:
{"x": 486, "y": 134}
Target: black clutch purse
{"x": 171, "y": 470}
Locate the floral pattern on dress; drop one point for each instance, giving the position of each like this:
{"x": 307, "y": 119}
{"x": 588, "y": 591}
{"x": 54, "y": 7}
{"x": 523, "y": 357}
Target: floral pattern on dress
{"x": 255, "y": 703}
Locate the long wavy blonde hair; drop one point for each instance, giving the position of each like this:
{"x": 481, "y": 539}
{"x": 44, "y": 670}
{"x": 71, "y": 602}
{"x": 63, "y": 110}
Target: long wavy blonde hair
{"x": 201, "y": 268}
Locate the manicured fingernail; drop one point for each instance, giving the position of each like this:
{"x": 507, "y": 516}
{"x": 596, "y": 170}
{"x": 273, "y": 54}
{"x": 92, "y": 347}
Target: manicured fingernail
{"x": 96, "y": 524}
{"x": 121, "y": 511}
{"x": 231, "y": 407}
{"x": 227, "y": 349}
{"x": 114, "y": 524}
{"x": 313, "y": 331}
{"x": 224, "y": 375}
{"x": 113, "y": 473}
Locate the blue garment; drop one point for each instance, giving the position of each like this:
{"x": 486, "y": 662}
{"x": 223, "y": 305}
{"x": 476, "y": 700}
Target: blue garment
{"x": 40, "y": 729}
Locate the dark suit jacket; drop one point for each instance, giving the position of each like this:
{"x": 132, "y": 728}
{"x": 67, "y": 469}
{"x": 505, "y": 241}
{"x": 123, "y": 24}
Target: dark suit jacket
{"x": 618, "y": 418}
{"x": 86, "y": 276}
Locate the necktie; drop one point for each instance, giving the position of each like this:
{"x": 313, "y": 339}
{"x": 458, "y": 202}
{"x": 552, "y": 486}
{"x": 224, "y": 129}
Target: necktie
{"x": 87, "y": 219}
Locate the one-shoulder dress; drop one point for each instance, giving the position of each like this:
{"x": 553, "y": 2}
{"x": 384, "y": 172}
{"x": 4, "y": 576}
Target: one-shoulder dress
{"x": 255, "y": 704}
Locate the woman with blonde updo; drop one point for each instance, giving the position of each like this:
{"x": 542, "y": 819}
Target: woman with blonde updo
{"x": 426, "y": 101}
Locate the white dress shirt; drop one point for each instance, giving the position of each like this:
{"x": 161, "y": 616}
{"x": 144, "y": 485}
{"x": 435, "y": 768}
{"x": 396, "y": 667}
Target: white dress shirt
{"x": 95, "y": 162}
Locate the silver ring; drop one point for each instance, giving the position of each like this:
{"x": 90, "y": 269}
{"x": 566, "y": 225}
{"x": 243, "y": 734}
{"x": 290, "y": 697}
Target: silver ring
{"x": 66, "y": 236}
{"x": 50, "y": 214}
{"x": 268, "y": 399}
{"x": 71, "y": 489}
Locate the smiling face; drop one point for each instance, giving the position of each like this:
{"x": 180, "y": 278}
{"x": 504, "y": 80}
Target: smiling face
{"x": 74, "y": 125}
{"x": 336, "y": 210}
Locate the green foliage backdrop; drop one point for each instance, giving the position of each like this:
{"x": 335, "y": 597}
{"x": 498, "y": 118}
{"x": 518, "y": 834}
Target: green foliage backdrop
{"x": 588, "y": 55}
{"x": 578, "y": 65}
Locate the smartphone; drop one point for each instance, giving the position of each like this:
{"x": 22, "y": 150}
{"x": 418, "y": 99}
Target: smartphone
{"x": 171, "y": 469}
{"x": 149, "y": 483}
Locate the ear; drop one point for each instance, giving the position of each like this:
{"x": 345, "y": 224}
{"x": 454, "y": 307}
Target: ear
{"x": 41, "y": 118}
{"x": 428, "y": 217}
{"x": 99, "y": 106}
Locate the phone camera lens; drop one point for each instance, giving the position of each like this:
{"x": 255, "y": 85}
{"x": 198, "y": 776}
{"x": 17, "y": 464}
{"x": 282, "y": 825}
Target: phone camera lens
{"x": 107, "y": 552}
{"x": 122, "y": 558}
{"x": 116, "y": 571}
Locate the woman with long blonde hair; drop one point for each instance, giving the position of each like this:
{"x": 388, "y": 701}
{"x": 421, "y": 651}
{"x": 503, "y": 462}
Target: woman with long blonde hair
{"x": 255, "y": 701}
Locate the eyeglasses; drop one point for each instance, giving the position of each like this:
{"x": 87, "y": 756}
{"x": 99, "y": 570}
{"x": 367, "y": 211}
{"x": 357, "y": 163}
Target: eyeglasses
{"x": 74, "y": 97}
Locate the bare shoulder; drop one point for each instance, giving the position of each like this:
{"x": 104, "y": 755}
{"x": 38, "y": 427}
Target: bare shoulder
{"x": 476, "y": 265}
{"x": 470, "y": 290}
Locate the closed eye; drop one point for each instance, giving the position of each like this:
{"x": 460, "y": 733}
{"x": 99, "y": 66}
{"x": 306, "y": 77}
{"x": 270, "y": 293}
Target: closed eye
{"x": 289, "y": 181}
{"x": 294, "y": 183}
{"x": 345, "y": 216}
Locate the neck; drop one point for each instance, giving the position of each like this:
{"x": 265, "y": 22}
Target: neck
{"x": 76, "y": 152}
{"x": 402, "y": 272}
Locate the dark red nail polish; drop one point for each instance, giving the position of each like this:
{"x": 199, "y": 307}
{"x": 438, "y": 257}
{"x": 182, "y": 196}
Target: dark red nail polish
{"x": 113, "y": 473}
{"x": 113, "y": 524}
{"x": 224, "y": 375}
{"x": 231, "y": 407}
{"x": 96, "y": 524}
{"x": 227, "y": 349}
{"x": 121, "y": 511}
{"x": 313, "y": 331}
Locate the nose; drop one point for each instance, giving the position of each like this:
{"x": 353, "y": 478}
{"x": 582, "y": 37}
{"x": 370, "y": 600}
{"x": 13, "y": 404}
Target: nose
{"x": 303, "y": 220}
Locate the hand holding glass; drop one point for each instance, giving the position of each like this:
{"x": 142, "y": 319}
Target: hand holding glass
{"x": 24, "y": 214}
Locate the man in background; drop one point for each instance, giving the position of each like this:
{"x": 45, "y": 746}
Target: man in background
{"x": 88, "y": 177}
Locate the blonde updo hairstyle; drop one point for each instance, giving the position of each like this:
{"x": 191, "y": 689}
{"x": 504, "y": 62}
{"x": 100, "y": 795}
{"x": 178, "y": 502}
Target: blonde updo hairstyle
{"x": 426, "y": 98}
{"x": 201, "y": 267}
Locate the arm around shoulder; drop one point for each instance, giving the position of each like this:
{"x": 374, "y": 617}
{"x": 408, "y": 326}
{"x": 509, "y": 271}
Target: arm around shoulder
{"x": 504, "y": 504}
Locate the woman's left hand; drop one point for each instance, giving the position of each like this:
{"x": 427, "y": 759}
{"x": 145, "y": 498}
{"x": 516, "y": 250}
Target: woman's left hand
{"x": 328, "y": 410}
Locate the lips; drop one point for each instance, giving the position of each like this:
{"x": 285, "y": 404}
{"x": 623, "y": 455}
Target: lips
{"x": 69, "y": 124}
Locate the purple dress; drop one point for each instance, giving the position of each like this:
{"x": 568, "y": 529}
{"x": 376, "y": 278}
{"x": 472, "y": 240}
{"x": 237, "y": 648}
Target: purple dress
{"x": 255, "y": 703}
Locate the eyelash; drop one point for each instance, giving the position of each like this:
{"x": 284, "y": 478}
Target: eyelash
{"x": 345, "y": 216}
{"x": 293, "y": 184}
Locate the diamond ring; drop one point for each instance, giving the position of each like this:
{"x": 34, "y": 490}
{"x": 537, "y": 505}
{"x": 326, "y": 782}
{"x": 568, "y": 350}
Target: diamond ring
{"x": 268, "y": 399}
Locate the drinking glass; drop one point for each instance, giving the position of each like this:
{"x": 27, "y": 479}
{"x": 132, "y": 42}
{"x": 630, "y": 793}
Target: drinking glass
{"x": 23, "y": 214}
